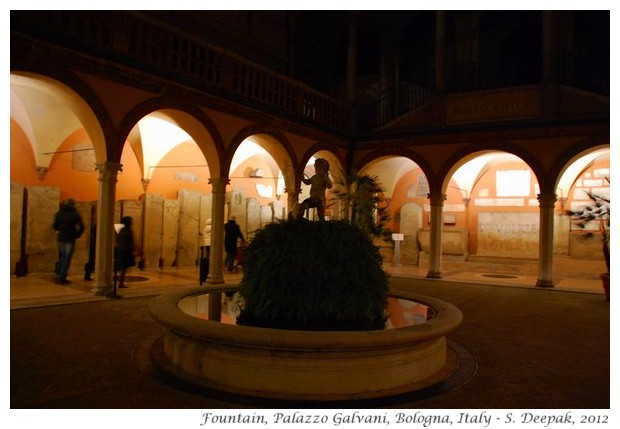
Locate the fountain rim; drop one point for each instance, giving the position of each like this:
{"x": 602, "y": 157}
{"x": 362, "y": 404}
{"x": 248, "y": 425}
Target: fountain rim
{"x": 165, "y": 310}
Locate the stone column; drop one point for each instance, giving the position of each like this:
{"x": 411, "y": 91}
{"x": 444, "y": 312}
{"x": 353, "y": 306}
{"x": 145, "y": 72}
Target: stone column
{"x": 545, "y": 241}
{"x": 434, "y": 263}
{"x": 104, "y": 255}
{"x": 216, "y": 264}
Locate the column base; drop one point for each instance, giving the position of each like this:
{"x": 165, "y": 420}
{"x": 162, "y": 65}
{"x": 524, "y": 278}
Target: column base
{"x": 103, "y": 290}
{"x": 433, "y": 275}
{"x": 545, "y": 283}
{"x": 215, "y": 279}
{"x": 215, "y": 306}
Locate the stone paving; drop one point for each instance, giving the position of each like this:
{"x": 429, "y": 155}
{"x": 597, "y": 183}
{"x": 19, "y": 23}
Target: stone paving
{"x": 520, "y": 348}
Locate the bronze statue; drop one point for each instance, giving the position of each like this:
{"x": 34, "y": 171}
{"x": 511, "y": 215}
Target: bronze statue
{"x": 319, "y": 183}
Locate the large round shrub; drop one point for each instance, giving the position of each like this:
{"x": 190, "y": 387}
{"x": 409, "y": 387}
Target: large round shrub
{"x": 313, "y": 276}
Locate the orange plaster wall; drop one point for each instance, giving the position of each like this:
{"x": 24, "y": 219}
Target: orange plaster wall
{"x": 129, "y": 179}
{"x": 400, "y": 198}
{"x": 184, "y": 159}
{"x": 76, "y": 184}
{"x": 22, "y": 158}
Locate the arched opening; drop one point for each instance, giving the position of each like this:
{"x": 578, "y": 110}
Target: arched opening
{"x": 333, "y": 206}
{"x": 257, "y": 183}
{"x": 164, "y": 187}
{"x": 587, "y": 173}
{"x": 406, "y": 196}
{"x": 56, "y": 140}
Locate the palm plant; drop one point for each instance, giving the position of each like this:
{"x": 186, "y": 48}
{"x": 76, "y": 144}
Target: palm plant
{"x": 364, "y": 205}
{"x": 598, "y": 212}
{"x": 313, "y": 276}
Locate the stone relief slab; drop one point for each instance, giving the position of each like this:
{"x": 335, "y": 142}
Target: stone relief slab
{"x": 188, "y": 240}
{"x": 17, "y": 213}
{"x": 266, "y": 215}
{"x": 42, "y": 203}
{"x": 170, "y": 233}
{"x": 508, "y": 234}
{"x": 253, "y": 216}
{"x": 82, "y": 244}
{"x": 206, "y": 209}
{"x": 153, "y": 227}
{"x": 278, "y": 209}
{"x": 410, "y": 223}
{"x": 83, "y": 158}
{"x": 235, "y": 200}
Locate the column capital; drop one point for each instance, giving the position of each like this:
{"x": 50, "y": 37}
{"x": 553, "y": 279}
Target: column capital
{"x": 292, "y": 191}
{"x": 219, "y": 183}
{"x": 108, "y": 171}
{"x": 108, "y": 166}
{"x": 436, "y": 198}
{"x": 145, "y": 183}
{"x": 41, "y": 172}
{"x": 547, "y": 199}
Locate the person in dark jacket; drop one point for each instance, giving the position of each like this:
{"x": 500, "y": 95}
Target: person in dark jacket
{"x": 125, "y": 256}
{"x": 69, "y": 227}
{"x": 89, "y": 266}
{"x": 232, "y": 233}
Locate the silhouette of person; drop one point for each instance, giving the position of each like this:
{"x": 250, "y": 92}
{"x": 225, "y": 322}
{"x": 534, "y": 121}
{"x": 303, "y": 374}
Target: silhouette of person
{"x": 89, "y": 267}
{"x": 319, "y": 183}
{"x": 205, "y": 245}
{"x": 232, "y": 233}
{"x": 205, "y": 250}
{"x": 69, "y": 226}
{"x": 125, "y": 256}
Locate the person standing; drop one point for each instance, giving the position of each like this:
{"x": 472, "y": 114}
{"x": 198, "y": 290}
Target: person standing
{"x": 205, "y": 245}
{"x": 232, "y": 233}
{"x": 69, "y": 227}
{"x": 205, "y": 250}
{"x": 125, "y": 249}
{"x": 89, "y": 266}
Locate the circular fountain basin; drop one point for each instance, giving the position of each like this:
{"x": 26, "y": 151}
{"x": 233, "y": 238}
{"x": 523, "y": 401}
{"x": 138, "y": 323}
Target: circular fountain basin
{"x": 411, "y": 354}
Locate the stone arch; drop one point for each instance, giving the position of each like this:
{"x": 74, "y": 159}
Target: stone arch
{"x": 575, "y": 152}
{"x": 274, "y": 142}
{"x": 326, "y": 151}
{"x": 191, "y": 200}
{"x": 592, "y": 166}
{"x": 466, "y": 154}
{"x": 407, "y": 188}
{"x": 496, "y": 229}
{"x": 335, "y": 159}
{"x": 337, "y": 167}
{"x": 400, "y": 171}
{"x": 52, "y": 108}
{"x": 70, "y": 104}
{"x": 193, "y": 121}
{"x": 399, "y": 152}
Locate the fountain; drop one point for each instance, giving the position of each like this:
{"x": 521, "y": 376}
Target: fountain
{"x": 410, "y": 354}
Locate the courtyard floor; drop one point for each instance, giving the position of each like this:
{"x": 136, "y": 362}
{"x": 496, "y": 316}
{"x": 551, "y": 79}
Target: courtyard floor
{"x": 520, "y": 347}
